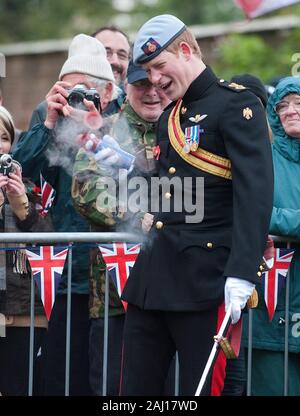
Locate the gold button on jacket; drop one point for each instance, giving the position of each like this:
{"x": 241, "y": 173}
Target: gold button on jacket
{"x": 159, "y": 225}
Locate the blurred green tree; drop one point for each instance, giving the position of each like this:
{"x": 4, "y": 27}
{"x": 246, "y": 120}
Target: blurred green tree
{"x": 44, "y": 19}
{"x": 237, "y": 54}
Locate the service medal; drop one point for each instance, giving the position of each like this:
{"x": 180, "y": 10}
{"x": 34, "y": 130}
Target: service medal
{"x": 192, "y": 134}
{"x": 187, "y": 146}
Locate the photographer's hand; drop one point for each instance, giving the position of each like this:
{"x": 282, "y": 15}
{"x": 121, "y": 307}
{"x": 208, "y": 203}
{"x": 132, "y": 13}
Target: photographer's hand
{"x": 91, "y": 119}
{"x": 3, "y": 181}
{"x": 16, "y": 195}
{"x": 15, "y": 185}
{"x": 56, "y": 100}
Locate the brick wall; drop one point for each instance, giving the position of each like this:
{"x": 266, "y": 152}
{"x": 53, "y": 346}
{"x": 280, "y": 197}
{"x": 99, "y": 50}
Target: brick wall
{"x": 28, "y": 79}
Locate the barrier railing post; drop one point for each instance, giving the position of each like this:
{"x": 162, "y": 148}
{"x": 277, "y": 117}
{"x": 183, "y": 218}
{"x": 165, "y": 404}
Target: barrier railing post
{"x": 31, "y": 337}
{"x": 286, "y": 333}
{"x": 176, "y": 392}
{"x": 105, "y": 335}
{"x": 68, "y": 327}
{"x": 249, "y": 357}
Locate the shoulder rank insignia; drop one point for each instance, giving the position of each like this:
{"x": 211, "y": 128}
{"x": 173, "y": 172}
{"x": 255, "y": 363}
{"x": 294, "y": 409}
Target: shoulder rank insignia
{"x": 198, "y": 118}
{"x": 247, "y": 113}
{"x": 236, "y": 86}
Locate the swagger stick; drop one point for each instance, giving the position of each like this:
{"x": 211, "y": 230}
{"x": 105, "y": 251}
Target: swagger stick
{"x": 222, "y": 332}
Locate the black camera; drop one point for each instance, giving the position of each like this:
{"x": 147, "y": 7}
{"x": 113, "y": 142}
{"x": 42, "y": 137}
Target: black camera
{"x": 79, "y": 92}
{"x": 6, "y": 165}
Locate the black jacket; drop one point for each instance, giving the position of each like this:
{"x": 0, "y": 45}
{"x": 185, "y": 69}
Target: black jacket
{"x": 183, "y": 266}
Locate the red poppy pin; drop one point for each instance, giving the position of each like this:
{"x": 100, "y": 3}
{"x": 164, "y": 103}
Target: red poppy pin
{"x": 156, "y": 152}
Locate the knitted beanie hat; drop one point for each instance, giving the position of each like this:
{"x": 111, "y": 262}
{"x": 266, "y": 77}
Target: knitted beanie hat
{"x": 87, "y": 55}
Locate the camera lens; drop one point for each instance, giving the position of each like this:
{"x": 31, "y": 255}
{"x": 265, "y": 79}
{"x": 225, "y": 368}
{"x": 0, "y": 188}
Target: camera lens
{"x": 6, "y": 160}
{"x": 92, "y": 95}
{"x": 75, "y": 98}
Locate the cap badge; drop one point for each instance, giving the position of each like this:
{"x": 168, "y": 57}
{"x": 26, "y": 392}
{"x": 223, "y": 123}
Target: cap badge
{"x": 150, "y": 46}
{"x": 198, "y": 118}
{"x": 247, "y": 113}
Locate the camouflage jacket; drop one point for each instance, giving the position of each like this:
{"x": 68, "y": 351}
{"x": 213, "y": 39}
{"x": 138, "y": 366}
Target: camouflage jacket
{"x": 135, "y": 136}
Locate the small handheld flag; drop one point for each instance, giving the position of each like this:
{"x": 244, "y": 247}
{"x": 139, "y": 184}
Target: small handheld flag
{"x": 47, "y": 197}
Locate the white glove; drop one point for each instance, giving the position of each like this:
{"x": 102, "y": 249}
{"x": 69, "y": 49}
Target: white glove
{"x": 237, "y": 292}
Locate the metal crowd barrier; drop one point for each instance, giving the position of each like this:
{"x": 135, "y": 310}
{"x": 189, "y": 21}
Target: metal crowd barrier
{"x": 108, "y": 237}
{"x": 69, "y": 238}
{"x": 288, "y": 242}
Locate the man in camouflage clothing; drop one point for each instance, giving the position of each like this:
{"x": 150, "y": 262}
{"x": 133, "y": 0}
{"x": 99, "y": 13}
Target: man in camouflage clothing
{"x": 134, "y": 131}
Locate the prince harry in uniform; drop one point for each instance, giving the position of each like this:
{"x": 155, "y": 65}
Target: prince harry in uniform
{"x": 188, "y": 271}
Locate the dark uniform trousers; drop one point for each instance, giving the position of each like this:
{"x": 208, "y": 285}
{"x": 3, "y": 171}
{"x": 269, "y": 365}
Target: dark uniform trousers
{"x": 151, "y": 340}
{"x": 177, "y": 282}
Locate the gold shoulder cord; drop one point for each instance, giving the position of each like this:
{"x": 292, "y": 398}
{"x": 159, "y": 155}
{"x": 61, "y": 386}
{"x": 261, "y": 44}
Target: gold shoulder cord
{"x": 201, "y": 159}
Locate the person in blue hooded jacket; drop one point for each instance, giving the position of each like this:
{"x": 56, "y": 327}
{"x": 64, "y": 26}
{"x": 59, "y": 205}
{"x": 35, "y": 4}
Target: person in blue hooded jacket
{"x": 283, "y": 111}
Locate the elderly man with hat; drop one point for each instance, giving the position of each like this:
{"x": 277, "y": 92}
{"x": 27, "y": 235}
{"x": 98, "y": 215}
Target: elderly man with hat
{"x": 134, "y": 131}
{"x": 47, "y": 149}
{"x": 213, "y": 133}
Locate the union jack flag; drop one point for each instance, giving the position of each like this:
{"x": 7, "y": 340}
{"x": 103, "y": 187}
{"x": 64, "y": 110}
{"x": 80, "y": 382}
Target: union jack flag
{"x": 47, "y": 264}
{"x": 274, "y": 280}
{"x": 254, "y": 8}
{"x": 119, "y": 259}
{"x": 48, "y": 195}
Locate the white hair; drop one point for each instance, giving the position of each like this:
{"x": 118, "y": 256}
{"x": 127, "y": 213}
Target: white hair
{"x": 102, "y": 83}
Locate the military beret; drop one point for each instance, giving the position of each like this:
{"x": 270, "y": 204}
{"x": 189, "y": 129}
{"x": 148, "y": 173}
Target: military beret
{"x": 156, "y": 35}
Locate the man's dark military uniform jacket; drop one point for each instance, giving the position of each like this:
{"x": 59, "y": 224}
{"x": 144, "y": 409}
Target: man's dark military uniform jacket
{"x": 184, "y": 265}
